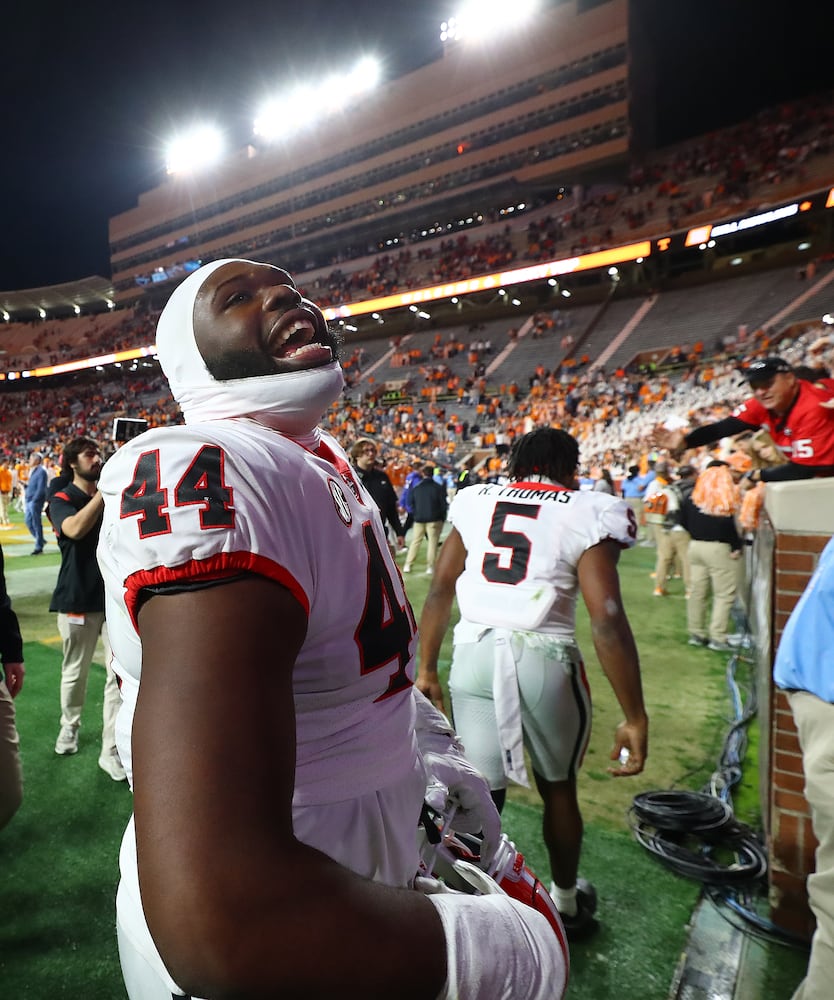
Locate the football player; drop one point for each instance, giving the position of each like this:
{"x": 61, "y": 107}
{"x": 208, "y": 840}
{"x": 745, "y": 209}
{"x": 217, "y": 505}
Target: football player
{"x": 517, "y": 557}
{"x": 278, "y": 752}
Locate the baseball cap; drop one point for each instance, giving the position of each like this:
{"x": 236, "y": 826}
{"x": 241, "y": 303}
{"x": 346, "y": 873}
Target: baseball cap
{"x": 764, "y": 368}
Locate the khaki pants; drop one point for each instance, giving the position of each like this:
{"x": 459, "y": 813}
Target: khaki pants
{"x": 11, "y": 773}
{"x": 672, "y": 549}
{"x": 79, "y": 645}
{"x": 711, "y": 568}
{"x": 430, "y": 530}
{"x": 665, "y": 555}
{"x": 815, "y": 725}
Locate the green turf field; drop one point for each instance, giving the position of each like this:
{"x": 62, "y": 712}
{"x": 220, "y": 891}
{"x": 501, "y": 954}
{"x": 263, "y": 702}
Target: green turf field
{"x": 59, "y": 854}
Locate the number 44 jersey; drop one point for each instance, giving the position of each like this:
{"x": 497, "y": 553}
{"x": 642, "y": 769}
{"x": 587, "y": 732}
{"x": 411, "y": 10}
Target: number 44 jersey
{"x": 197, "y": 504}
{"x": 523, "y": 542}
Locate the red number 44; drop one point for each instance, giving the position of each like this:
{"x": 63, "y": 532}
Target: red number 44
{"x": 202, "y": 484}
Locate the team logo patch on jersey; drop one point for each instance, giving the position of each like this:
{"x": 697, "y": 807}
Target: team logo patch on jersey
{"x": 340, "y": 501}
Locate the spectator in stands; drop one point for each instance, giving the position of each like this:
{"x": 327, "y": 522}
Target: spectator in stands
{"x": 798, "y": 415}
{"x": 803, "y": 670}
{"x": 429, "y": 501}
{"x": 375, "y": 480}
{"x": 35, "y": 498}
{"x": 11, "y": 681}
{"x": 708, "y": 514}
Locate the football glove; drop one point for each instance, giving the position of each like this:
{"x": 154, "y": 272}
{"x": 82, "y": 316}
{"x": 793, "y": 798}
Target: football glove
{"x": 452, "y": 783}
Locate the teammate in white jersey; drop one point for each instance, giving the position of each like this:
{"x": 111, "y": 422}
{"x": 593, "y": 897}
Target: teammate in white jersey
{"x": 517, "y": 556}
{"x": 277, "y": 749}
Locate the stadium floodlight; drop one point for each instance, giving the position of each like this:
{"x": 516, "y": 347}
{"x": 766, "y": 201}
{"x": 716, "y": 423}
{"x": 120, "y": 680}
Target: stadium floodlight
{"x": 363, "y": 77}
{"x": 42, "y": 313}
{"x": 6, "y": 316}
{"x": 194, "y": 149}
{"x": 285, "y": 114}
{"x": 76, "y": 309}
{"x": 480, "y": 19}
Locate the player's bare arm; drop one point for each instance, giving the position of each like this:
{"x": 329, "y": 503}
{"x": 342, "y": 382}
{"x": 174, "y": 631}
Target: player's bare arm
{"x": 436, "y": 614}
{"x": 617, "y": 652}
{"x": 226, "y": 887}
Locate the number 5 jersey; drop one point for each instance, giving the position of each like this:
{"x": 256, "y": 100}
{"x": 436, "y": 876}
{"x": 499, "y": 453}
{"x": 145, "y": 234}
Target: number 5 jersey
{"x": 523, "y": 542}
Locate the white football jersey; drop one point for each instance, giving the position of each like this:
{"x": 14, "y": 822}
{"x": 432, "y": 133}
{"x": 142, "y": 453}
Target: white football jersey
{"x": 205, "y": 501}
{"x": 523, "y": 542}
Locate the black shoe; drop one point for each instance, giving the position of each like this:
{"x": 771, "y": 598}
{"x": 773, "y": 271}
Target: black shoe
{"x": 37, "y": 552}
{"x": 583, "y": 923}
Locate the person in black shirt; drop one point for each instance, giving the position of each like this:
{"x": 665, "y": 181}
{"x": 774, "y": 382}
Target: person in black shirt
{"x": 75, "y": 511}
{"x": 363, "y": 454}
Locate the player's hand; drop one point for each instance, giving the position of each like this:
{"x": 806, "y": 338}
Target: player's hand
{"x": 14, "y": 677}
{"x": 400, "y": 542}
{"x": 630, "y": 749}
{"x": 455, "y": 787}
{"x": 429, "y": 685}
{"x": 673, "y": 441}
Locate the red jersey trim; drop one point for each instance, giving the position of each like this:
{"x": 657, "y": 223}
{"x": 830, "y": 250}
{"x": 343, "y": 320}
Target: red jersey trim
{"x": 217, "y": 567}
{"x": 523, "y": 484}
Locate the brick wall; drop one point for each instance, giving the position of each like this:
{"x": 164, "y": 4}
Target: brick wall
{"x": 791, "y": 841}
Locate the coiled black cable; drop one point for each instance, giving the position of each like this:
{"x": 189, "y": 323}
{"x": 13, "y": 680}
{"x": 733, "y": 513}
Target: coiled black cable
{"x": 696, "y": 836}
{"x": 684, "y": 812}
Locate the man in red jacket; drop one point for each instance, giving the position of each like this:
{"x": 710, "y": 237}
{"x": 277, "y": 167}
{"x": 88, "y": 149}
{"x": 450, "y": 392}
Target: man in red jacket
{"x": 798, "y": 415}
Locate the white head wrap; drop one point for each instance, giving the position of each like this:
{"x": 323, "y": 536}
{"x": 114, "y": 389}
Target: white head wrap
{"x": 292, "y": 402}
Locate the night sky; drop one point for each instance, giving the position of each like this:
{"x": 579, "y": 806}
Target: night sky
{"x": 89, "y": 92}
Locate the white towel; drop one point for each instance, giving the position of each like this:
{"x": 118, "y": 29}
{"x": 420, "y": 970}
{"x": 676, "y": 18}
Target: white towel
{"x": 508, "y": 708}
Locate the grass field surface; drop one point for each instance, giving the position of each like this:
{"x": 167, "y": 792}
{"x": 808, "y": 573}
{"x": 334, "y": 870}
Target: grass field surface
{"x": 59, "y": 854}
